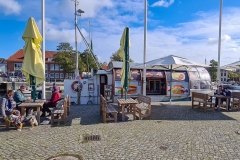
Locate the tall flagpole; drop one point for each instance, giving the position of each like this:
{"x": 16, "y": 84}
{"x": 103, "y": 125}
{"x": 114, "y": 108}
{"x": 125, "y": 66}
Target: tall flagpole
{"x": 219, "y": 43}
{"x": 76, "y": 70}
{"x": 145, "y": 47}
{"x": 43, "y": 46}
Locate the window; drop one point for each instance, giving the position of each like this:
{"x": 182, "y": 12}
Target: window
{"x": 52, "y": 67}
{"x": 17, "y": 66}
{"x": 61, "y": 75}
{"x": 69, "y": 75}
{"x": 221, "y": 74}
{"x": 52, "y": 75}
{"x": 46, "y": 67}
{"x": 50, "y": 59}
{"x": 56, "y": 75}
{"x": 153, "y": 87}
{"x": 66, "y": 76}
{"x": 225, "y": 74}
{"x": 61, "y": 67}
{"x": 221, "y": 79}
{"x": 56, "y": 67}
{"x": 224, "y": 79}
{"x": 46, "y": 75}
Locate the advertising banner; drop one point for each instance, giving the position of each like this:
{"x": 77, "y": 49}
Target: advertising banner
{"x": 135, "y": 75}
{"x": 134, "y": 88}
{"x": 155, "y": 73}
{"x": 204, "y": 75}
{"x": 179, "y": 88}
{"x": 177, "y": 76}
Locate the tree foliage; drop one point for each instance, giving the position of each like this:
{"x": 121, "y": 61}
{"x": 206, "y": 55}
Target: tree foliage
{"x": 66, "y": 57}
{"x": 232, "y": 76}
{"x": 213, "y": 69}
{"x": 116, "y": 57}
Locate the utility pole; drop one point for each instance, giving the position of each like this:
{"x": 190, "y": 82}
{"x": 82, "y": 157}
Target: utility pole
{"x": 219, "y": 42}
{"x": 145, "y": 47}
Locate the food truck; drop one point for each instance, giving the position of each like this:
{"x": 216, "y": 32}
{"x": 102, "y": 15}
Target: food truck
{"x": 108, "y": 83}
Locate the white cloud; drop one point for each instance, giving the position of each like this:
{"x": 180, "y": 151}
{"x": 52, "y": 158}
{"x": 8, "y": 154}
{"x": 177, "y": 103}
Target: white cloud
{"x": 163, "y": 3}
{"x": 10, "y": 7}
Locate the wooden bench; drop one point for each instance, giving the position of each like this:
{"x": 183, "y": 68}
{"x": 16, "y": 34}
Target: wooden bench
{"x": 5, "y": 123}
{"x": 143, "y": 108}
{"x": 59, "y": 114}
{"x": 203, "y": 101}
{"x": 235, "y": 103}
{"x": 106, "y": 110}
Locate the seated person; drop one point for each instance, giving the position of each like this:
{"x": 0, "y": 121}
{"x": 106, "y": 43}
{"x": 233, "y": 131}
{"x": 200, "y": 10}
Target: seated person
{"x": 227, "y": 92}
{"x": 219, "y": 91}
{"x": 19, "y": 97}
{"x": 8, "y": 107}
{"x": 52, "y": 102}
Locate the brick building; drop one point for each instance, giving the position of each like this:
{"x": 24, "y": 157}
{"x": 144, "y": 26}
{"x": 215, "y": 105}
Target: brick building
{"x": 52, "y": 70}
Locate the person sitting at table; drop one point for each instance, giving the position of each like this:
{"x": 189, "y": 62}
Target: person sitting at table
{"x": 8, "y": 105}
{"x": 19, "y": 97}
{"x": 56, "y": 96}
{"x": 227, "y": 92}
{"x": 219, "y": 91}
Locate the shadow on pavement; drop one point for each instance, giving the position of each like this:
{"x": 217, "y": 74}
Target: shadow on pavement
{"x": 177, "y": 112}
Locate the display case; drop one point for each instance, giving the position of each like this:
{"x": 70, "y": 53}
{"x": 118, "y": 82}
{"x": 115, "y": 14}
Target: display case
{"x": 108, "y": 93}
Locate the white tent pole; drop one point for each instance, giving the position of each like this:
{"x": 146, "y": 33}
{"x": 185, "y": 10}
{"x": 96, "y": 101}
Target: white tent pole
{"x": 219, "y": 43}
{"x": 145, "y": 47}
{"x": 43, "y": 46}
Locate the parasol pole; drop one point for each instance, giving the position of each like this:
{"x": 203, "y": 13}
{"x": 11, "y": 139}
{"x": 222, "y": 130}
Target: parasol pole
{"x": 171, "y": 84}
{"x": 126, "y": 50}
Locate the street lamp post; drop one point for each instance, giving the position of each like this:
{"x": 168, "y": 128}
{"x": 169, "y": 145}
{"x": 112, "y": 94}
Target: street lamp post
{"x": 76, "y": 11}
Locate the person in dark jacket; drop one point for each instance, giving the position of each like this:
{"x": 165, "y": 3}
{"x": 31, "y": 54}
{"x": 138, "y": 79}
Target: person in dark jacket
{"x": 19, "y": 97}
{"x": 56, "y": 96}
{"x": 227, "y": 92}
{"x": 219, "y": 91}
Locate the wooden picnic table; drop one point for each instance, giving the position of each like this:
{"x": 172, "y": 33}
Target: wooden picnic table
{"x": 220, "y": 103}
{"x": 30, "y": 104}
{"x": 122, "y": 103}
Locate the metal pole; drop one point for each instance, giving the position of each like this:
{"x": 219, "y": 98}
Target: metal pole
{"x": 76, "y": 70}
{"x": 43, "y": 47}
{"x": 219, "y": 43}
{"x": 145, "y": 47}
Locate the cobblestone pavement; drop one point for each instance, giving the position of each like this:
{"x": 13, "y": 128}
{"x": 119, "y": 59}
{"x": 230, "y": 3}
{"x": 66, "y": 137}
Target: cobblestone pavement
{"x": 173, "y": 132}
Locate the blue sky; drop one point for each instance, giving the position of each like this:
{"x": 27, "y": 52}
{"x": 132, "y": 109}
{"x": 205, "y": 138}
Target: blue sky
{"x": 186, "y": 28}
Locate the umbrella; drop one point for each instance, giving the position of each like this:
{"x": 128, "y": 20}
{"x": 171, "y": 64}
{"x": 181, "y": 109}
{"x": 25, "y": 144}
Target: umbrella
{"x": 32, "y": 67}
{"x": 171, "y": 63}
{"x": 124, "y": 54}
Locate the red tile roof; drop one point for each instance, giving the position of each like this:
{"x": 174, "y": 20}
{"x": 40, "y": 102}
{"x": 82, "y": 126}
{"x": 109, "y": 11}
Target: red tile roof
{"x": 104, "y": 67}
{"x": 19, "y": 55}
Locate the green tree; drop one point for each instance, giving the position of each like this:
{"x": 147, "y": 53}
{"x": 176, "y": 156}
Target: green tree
{"x": 88, "y": 61}
{"x": 213, "y": 69}
{"x": 115, "y": 57}
{"x": 66, "y": 58}
{"x": 232, "y": 76}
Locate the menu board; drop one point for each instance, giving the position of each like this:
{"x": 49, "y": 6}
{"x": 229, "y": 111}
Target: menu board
{"x": 155, "y": 73}
{"x": 204, "y": 75}
{"x": 177, "y": 76}
{"x": 134, "y": 88}
{"x": 134, "y": 73}
{"x": 108, "y": 93}
{"x": 178, "y": 88}
{"x": 193, "y": 74}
